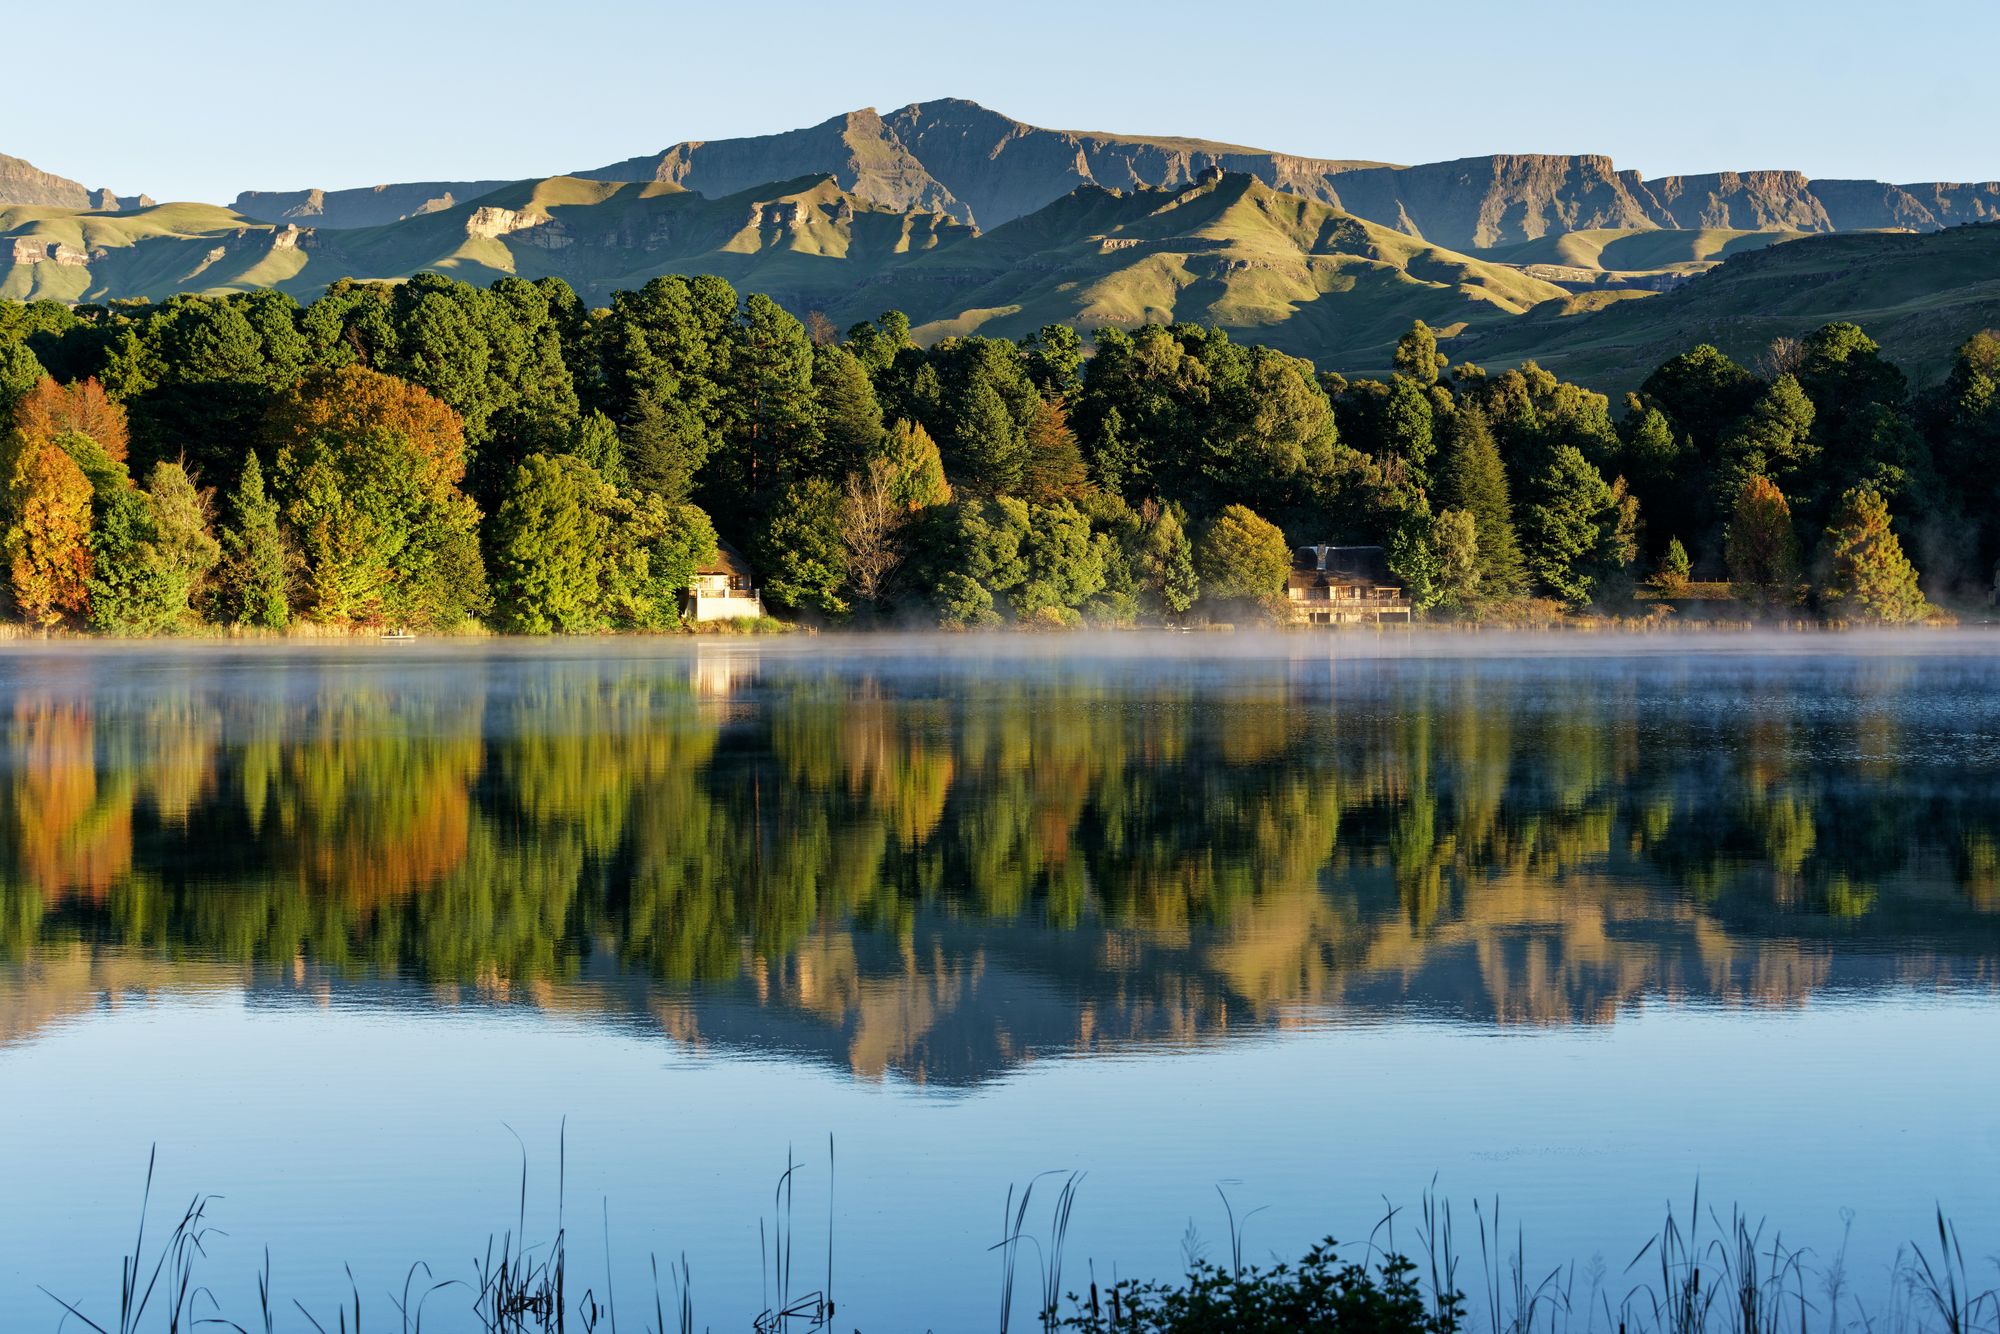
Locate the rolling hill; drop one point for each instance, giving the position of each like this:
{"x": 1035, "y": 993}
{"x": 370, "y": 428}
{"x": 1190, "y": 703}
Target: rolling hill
{"x": 1227, "y": 249}
{"x": 1919, "y": 295}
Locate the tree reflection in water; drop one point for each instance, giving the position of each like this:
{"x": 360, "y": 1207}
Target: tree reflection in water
{"x": 936, "y": 870}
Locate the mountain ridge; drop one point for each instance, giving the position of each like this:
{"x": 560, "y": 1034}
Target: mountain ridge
{"x": 22, "y": 182}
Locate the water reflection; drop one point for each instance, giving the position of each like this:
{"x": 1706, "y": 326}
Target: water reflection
{"x": 939, "y": 871}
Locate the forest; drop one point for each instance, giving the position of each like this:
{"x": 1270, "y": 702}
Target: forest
{"x": 433, "y": 455}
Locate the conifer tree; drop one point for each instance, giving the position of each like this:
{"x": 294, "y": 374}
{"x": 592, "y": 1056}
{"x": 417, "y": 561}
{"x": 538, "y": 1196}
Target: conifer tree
{"x": 918, "y": 467}
{"x": 1473, "y": 480}
{"x": 1868, "y": 577}
{"x": 1054, "y": 470}
{"x": 254, "y": 570}
{"x": 1761, "y": 547}
{"x": 851, "y": 418}
{"x": 1671, "y": 578}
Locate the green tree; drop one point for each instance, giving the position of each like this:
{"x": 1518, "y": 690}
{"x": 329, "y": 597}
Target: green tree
{"x": 1762, "y": 548}
{"x": 1574, "y": 533}
{"x": 19, "y": 373}
{"x": 1413, "y": 557}
{"x": 1417, "y": 356}
{"x": 183, "y": 539}
{"x": 1672, "y": 575}
{"x": 1054, "y": 355}
{"x": 917, "y": 469}
{"x": 1702, "y": 392}
{"x": 771, "y": 415}
{"x": 1243, "y": 560}
{"x": 1868, "y": 578}
{"x": 151, "y": 550}
{"x": 552, "y": 558}
{"x": 851, "y": 416}
{"x": 1065, "y": 565}
{"x": 255, "y": 569}
{"x": 658, "y": 548}
{"x": 989, "y": 443}
{"x": 1471, "y": 479}
{"x": 800, "y": 550}
{"x": 1167, "y": 573}
{"x": 1455, "y": 539}
{"x": 367, "y": 471}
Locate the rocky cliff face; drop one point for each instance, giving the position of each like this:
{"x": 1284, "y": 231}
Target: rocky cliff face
{"x": 958, "y": 158}
{"x": 985, "y": 168}
{"x": 24, "y": 183}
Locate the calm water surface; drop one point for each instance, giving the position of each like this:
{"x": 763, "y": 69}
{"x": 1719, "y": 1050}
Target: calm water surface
{"x": 332, "y": 926}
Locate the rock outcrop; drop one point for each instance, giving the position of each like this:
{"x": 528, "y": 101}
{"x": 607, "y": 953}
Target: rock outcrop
{"x": 25, "y": 183}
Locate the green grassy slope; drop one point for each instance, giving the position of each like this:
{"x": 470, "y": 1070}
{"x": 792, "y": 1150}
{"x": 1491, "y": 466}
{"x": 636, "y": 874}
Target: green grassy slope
{"x": 1920, "y": 296}
{"x": 1638, "y": 250}
{"x": 72, "y": 255}
{"x": 1288, "y": 271}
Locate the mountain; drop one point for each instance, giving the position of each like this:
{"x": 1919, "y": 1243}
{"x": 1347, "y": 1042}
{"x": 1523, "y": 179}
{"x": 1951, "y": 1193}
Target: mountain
{"x": 24, "y": 183}
{"x": 958, "y": 157}
{"x": 985, "y": 168}
{"x": 1919, "y": 295}
{"x": 370, "y": 207}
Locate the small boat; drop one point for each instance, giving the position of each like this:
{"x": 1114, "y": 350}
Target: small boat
{"x": 398, "y": 636}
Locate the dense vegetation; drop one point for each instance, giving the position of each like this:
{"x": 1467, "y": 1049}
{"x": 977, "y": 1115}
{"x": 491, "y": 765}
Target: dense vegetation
{"x": 431, "y": 453}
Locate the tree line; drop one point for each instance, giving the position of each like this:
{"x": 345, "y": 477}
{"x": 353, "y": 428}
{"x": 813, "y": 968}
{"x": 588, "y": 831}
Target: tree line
{"x": 431, "y": 453}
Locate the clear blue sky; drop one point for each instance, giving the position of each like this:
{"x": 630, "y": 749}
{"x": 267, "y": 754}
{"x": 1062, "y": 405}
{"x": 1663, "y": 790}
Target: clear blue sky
{"x": 202, "y": 98}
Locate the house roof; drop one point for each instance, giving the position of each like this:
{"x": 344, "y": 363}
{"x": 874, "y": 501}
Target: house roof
{"x": 728, "y": 560}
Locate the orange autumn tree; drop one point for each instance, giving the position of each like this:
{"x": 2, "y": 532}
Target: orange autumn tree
{"x": 50, "y": 411}
{"x": 48, "y": 534}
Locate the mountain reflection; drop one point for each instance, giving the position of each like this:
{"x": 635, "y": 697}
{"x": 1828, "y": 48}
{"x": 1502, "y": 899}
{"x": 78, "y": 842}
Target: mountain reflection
{"x": 941, "y": 871}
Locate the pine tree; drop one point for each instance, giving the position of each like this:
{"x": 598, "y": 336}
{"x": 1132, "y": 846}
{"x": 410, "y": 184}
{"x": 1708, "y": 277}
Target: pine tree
{"x": 1868, "y": 576}
{"x": 851, "y": 418}
{"x": 1472, "y": 479}
{"x": 254, "y": 570}
{"x": 989, "y": 444}
{"x": 1166, "y": 560}
{"x": 1761, "y": 547}
{"x": 1054, "y": 470}
{"x": 919, "y": 469}
{"x": 1671, "y": 578}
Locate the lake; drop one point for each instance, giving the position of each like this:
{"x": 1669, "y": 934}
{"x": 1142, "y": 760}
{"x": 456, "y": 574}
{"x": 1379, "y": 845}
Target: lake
{"x": 1571, "y": 923}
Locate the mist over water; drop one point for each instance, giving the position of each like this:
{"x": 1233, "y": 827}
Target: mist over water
{"x": 1575, "y": 918}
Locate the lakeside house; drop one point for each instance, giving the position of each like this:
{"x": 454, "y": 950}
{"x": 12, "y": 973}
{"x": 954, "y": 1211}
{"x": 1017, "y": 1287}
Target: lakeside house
{"x": 725, "y": 589}
{"x": 1332, "y": 585}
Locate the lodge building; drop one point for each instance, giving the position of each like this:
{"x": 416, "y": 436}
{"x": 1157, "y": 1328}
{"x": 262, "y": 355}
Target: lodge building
{"x": 1331, "y": 585}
